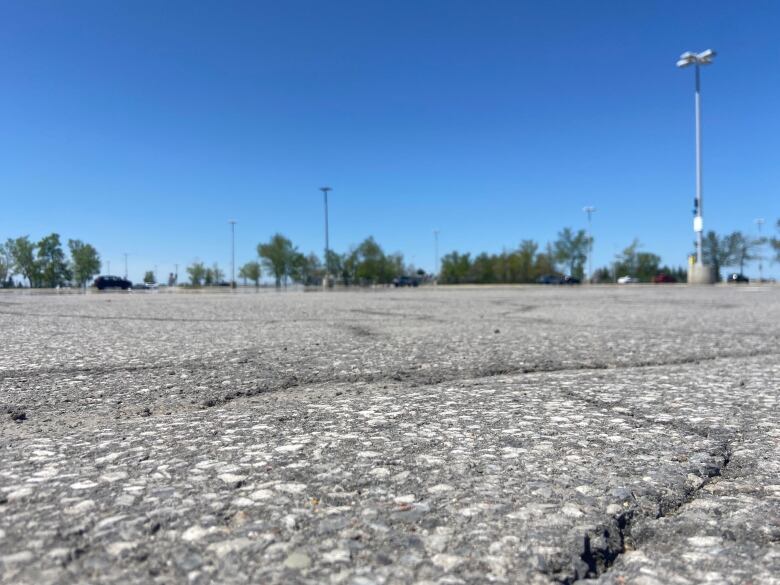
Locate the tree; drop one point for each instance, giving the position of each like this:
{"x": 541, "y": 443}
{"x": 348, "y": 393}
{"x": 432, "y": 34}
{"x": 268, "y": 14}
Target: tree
{"x": 370, "y": 262}
{"x": 251, "y": 271}
{"x": 307, "y": 269}
{"x": 455, "y": 268}
{"x": 84, "y": 261}
{"x": 482, "y": 269}
{"x": 745, "y": 249}
{"x": 22, "y": 251}
{"x": 197, "y": 272}
{"x": 214, "y": 275}
{"x": 544, "y": 263}
{"x": 572, "y": 250}
{"x": 719, "y": 251}
{"x": 775, "y": 243}
{"x": 53, "y": 267}
{"x": 524, "y": 257}
{"x": 641, "y": 265}
{"x": 149, "y": 277}
{"x": 647, "y": 266}
{"x": 278, "y": 255}
{"x": 5, "y": 265}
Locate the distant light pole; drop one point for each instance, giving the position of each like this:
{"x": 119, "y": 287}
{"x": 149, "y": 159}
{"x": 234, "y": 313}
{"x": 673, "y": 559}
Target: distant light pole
{"x": 108, "y": 262}
{"x": 590, "y": 211}
{"x": 760, "y": 222}
{"x": 697, "y": 59}
{"x": 436, "y": 255}
{"x": 125, "y": 265}
{"x": 325, "y": 191}
{"x": 232, "y": 223}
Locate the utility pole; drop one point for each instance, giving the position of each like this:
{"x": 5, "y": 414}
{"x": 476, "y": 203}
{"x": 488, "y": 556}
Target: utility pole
{"x": 232, "y": 223}
{"x": 701, "y": 274}
{"x": 325, "y": 191}
{"x": 760, "y": 223}
{"x": 590, "y": 210}
{"x": 436, "y": 256}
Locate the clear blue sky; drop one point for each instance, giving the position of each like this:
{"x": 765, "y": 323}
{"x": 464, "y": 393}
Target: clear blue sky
{"x": 144, "y": 126}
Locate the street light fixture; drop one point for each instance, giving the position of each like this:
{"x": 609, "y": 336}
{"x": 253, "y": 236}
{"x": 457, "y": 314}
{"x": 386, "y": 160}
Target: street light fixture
{"x": 590, "y": 211}
{"x": 325, "y": 191}
{"x": 699, "y": 273}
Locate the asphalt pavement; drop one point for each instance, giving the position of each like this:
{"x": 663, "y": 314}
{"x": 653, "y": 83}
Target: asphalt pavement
{"x": 543, "y": 435}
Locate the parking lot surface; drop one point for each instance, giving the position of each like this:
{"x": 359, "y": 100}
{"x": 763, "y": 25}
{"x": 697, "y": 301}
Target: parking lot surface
{"x": 611, "y": 435}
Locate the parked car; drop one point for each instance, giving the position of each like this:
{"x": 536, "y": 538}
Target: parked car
{"x": 406, "y": 281}
{"x": 569, "y": 280}
{"x": 662, "y": 278}
{"x": 109, "y": 282}
{"x": 627, "y": 280}
{"x": 737, "y": 277}
{"x": 548, "y": 279}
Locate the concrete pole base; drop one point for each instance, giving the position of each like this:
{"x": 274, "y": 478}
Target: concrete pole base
{"x": 701, "y": 274}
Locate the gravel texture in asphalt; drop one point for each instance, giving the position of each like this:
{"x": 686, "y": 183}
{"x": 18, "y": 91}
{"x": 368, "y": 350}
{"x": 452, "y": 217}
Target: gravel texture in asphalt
{"x": 610, "y": 435}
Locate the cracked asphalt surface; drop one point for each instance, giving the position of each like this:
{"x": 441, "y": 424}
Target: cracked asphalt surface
{"x": 537, "y": 435}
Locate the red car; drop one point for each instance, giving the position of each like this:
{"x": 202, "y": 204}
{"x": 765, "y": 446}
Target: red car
{"x": 662, "y": 278}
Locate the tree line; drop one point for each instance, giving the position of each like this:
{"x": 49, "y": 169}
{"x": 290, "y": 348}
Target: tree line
{"x": 44, "y": 263}
{"x": 364, "y": 264}
{"x": 568, "y": 254}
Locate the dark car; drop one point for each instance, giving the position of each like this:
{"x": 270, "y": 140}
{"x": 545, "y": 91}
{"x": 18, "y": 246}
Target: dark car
{"x": 736, "y": 277}
{"x": 662, "y": 278}
{"x": 548, "y": 279}
{"x": 406, "y": 281}
{"x": 569, "y": 280}
{"x": 109, "y": 282}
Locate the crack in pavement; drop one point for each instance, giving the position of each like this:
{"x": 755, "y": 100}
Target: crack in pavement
{"x": 603, "y": 547}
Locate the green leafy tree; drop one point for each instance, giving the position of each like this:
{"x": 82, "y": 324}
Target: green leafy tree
{"x": 84, "y": 261}
{"x": 455, "y": 268}
{"x": 544, "y": 263}
{"x": 149, "y": 277}
{"x": 482, "y": 269}
{"x": 5, "y": 265}
{"x": 571, "y": 250}
{"x": 22, "y": 251}
{"x": 278, "y": 256}
{"x": 217, "y": 274}
{"x": 334, "y": 263}
{"x": 746, "y": 249}
{"x": 775, "y": 243}
{"x": 197, "y": 273}
{"x": 525, "y": 261}
{"x": 54, "y": 268}
{"x": 719, "y": 251}
{"x": 641, "y": 265}
{"x": 371, "y": 262}
{"x": 307, "y": 269}
{"x": 251, "y": 270}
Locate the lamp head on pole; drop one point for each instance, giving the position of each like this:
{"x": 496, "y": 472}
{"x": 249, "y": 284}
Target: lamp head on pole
{"x": 689, "y": 58}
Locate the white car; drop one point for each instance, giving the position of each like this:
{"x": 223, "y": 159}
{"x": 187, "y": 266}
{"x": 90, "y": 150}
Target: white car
{"x": 627, "y": 280}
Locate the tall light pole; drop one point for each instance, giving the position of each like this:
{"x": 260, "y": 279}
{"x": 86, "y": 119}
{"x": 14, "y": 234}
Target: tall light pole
{"x": 436, "y": 255}
{"x": 125, "y": 265}
{"x": 325, "y": 191}
{"x": 698, "y": 60}
{"x": 760, "y": 223}
{"x": 108, "y": 270}
{"x": 590, "y": 210}
{"x": 232, "y": 223}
